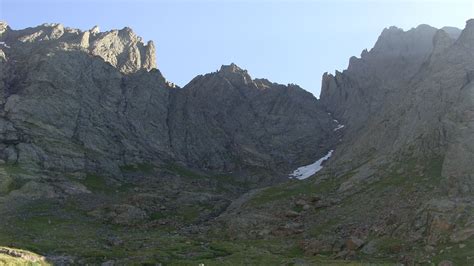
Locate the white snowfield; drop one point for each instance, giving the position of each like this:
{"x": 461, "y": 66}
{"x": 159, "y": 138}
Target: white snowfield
{"x": 306, "y": 171}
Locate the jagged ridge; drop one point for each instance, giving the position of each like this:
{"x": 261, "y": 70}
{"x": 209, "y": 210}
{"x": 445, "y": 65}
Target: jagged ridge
{"x": 105, "y": 118}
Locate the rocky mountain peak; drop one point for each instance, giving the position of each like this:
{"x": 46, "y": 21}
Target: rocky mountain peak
{"x": 467, "y": 35}
{"x": 235, "y": 74}
{"x": 423, "y": 27}
{"x": 122, "y": 49}
{"x": 3, "y": 27}
{"x": 453, "y": 32}
{"x": 391, "y": 30}
{"x": 95, "y": 30}
{"x": 395, "y": 41}
{"x": 441, "y": 41}
{"x": 232, "y": 68}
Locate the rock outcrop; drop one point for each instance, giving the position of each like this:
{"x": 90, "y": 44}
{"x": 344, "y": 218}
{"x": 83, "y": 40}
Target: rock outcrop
{"x": 123, "y": 49}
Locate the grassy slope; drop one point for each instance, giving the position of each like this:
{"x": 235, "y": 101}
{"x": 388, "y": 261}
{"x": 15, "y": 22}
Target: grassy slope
{"x": 412, "y": 180}
{"x": 63, "y": 227}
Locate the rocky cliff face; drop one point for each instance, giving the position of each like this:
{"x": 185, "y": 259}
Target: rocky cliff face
{"x": 360, "y": 91}
{"x": 411, "y": 110}
{"x": 71, "y": 111}
{"x": 230, "y": 119}
{"x": 78, "y": 101}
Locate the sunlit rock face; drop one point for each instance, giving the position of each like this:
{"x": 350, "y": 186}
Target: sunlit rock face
{"x": 123, "y": 49}
{"x": 99, "y": 99}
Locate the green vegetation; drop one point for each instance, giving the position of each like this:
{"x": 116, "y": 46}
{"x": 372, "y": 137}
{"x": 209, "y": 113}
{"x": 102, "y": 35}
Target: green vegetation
{"x": 49, "y": 227}
{"x": 390, "y": 245}
{"x": 59, "y": 227}
{"x": 459, "y": 254}
{"x": 189, "y": 213}
{"x": 266, "y": 252}
{"x": 11, "y": 179}
{"x": 224, "y": 182}
{"x": 324, "y": 228}
{"x": 15, "y": 169}
{"x": 297, "y": 188}
{"x": 411, "y": 173}
{"x": 97, "y": 184}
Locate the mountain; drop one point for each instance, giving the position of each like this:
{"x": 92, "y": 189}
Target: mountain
{"x": 96, "y": 143}
{"x": 94, "y": 101}
{"x": 400, "y": 184}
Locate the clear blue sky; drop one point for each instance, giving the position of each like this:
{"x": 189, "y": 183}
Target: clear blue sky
{"x": 284, "y": 41}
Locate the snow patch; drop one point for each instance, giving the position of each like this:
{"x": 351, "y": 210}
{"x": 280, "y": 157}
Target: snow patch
{"x": 4, "y": 45}
{"x": 339, "y": 127}
{"x": 306, "y": 171}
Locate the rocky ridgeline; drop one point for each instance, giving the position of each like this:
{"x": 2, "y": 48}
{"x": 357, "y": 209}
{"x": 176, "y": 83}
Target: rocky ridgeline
{"x": 123, "y": 49}
{"x": 90, "y": 101}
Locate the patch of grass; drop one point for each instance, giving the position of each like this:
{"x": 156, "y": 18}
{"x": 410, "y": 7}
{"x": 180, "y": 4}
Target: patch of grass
{"x": 459, "y": 254}
{"x": 16, "y": 184}
{"x": 223, "y": 182}
{"x": 297, "y": 208}
{"x": 12, "y": 178}
{"x": 5, "y": 184}
{"x": 265, "y": 252}
{"x": 97, "y": 183}
{"x": 294, "y": 188}
{"x": 189, "y": 213}
{"x": 294, "y": 252}
{"x": 411, "y": 173}
{"x": 183, "y": 171}
{"x": 50, "y": 227}
{"x": 324, "y": 228}
{"x": 157, "y": 215}
{"x": 15, "y": 169}
{"x": 434, "y": 167}
{"x": 227, "y": 179}
{"x": 390, "y": 245}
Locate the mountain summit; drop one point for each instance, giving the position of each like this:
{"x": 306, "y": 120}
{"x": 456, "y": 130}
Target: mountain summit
{"x": 123, "y": 49}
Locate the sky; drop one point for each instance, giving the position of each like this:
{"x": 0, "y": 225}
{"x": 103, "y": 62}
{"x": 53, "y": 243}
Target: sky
{"x": 292, "y": 41}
